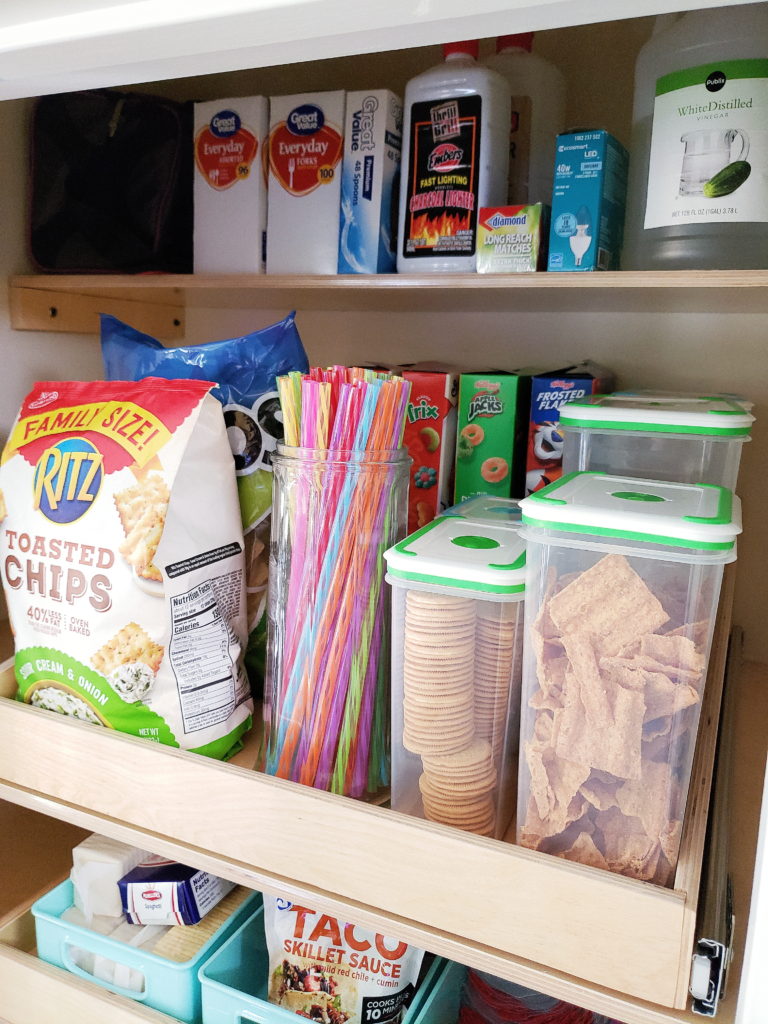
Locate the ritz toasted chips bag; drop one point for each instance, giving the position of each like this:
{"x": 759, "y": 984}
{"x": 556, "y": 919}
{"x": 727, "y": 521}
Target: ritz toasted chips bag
{"x": 245, "y": 370}
{"x": 122, "y": 560}
{"x": 329, "y": 970}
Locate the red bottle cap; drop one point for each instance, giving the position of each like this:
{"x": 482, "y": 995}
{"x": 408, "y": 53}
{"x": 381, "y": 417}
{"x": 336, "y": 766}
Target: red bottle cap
{"x": 471, "y": 47}
{"x": 523, "y": 41}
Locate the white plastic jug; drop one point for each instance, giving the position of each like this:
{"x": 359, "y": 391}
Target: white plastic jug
{"x": 698, "y": 173}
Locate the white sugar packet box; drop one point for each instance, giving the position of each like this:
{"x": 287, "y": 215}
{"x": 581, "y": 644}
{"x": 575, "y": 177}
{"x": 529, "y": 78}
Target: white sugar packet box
{"x": 230, "y": 190}
{"x": 306, "y": 141}
{"x": 372, "y": 143}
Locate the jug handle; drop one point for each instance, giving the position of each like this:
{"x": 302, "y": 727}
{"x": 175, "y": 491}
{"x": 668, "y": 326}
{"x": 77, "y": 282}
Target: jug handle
{"x": 737, "y": 133}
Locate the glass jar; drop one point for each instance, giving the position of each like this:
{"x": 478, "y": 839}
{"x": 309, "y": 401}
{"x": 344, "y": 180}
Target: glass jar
{"x": 326, "y": 702}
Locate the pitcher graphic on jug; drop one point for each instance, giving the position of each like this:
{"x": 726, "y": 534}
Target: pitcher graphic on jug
{"x": 707, "y": 152}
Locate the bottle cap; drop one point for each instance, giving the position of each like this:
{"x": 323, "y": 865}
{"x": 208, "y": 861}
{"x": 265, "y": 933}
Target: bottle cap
{"x": 521, "y": 41}
{"x": 471, "y": 47}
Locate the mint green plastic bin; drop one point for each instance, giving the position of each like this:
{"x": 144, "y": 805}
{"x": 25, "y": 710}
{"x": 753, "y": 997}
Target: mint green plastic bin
{"x": 173, "y": 988}
{"x": 234, "y": 983}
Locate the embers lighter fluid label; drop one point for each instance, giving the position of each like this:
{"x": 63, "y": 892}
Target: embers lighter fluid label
{"x": 443, "y": 171}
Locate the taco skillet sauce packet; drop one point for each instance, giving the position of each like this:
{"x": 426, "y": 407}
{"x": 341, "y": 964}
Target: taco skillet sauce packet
{"x": 124, "y": 580}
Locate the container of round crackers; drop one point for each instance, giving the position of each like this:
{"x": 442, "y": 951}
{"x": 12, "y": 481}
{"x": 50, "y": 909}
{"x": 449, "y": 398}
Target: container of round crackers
{"x": 458, "y": 589}
{"x": 622, "y": 591}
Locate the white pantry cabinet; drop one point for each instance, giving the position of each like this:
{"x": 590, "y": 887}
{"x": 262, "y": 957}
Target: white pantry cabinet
{"x": 602, "y": 941}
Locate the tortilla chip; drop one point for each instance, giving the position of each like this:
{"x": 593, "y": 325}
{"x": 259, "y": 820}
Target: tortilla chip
{"x": 625, "y": 845}
{"x": 698, "y": 632}
{"x": 584, "y": 851}
{"x": 674, "y": 651}
{"x": 649, "y": 798}
{"x": 609, "y": 601}
{"x": 601, "y": 794}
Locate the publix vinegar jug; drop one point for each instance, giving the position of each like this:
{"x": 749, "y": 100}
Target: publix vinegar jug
{"x": 455, "y": 160}
{"x": 698, "y": 173}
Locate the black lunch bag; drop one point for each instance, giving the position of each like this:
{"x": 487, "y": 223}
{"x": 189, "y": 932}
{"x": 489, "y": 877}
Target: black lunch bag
{"x": 111, "y": 183}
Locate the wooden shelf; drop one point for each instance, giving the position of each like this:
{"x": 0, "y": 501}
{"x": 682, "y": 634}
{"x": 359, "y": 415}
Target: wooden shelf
{"x": 574, "y": 932}
{"x": 156, "y": 303}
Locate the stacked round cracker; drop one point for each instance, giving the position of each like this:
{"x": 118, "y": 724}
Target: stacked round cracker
{"x": 457, "y": 671}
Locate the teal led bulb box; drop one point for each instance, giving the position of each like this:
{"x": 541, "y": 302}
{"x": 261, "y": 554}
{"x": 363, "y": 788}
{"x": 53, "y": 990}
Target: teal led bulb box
{"x": 588, "y": 202}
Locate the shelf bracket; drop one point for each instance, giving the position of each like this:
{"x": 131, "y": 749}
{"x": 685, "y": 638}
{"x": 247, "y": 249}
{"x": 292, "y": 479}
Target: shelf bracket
{"x": 49, "y": 309}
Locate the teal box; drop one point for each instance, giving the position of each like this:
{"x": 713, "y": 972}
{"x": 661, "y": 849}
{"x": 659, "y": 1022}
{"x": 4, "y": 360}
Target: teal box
{"x": 588, "y": 201}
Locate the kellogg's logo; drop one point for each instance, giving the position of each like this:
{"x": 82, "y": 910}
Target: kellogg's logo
{"x": 562, "y": 385}
{"x": 225, "y": 123}
{"x": 67, "y": 479}
{"x": 445, "y": 157}
{"x": 305, "y": 120}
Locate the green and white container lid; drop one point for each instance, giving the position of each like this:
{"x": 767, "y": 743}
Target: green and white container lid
{"x": 694, "y": 396}
{"x": 712, "y": 415}
{"x": 463, "y": 554}
{"x": 488, "y": 509}
{"x": 702, "y": 517}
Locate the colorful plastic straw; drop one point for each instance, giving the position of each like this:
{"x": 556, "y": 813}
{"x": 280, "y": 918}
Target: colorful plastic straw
{"x": 328, "y": 695}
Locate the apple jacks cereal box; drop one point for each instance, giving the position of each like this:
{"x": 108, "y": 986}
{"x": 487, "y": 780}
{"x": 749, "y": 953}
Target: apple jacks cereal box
{"x": 122, "y": 560}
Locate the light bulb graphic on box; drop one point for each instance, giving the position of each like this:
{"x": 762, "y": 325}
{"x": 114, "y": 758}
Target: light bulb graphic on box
{"x": 581, "y": 241}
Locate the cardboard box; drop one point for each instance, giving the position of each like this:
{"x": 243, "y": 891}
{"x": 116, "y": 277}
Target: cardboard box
{"x": 306, "y": 143}
{"x": 512, "y": 239}
{"x": 159, "y": 891}
{"x": 490, "y": 445}
{"x": 588, "y": 200}
{"x": 230, "y": 191}
{"x": 549, "y": 392}
{"x": 372, "y": 142}
{"x": 430, "y": 437}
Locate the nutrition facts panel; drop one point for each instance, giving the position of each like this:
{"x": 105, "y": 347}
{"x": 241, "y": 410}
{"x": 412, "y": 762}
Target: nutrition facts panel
{"x": 203, "y": 660}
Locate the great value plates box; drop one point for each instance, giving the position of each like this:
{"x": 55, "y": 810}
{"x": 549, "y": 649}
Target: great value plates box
{"x": 549, "y": 392}
{"x": 512, "y": 239}
{"x": 369, "y": 193}
{"x": 430, "y": 437}
{"x": 230, "y": 191}
{"x": 490, "y": 445}
{"x": 306, "y": 142}
{"x": 588, "y": 200}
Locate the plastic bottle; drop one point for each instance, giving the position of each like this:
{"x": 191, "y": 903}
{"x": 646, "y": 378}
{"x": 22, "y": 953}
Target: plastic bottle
{"x": 455, "y": 159}
{"x": 538, "y": 117}
{"x": 698, "y": 173}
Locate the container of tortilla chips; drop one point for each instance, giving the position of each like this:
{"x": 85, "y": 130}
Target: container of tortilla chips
{"x": 623, "y": 583}
{"x": 684, "y": 438}
{"x": 458, "y": 588}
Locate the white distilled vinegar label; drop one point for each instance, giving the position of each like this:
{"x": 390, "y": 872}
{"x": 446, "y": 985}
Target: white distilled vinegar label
{"x": 709, "y": 147}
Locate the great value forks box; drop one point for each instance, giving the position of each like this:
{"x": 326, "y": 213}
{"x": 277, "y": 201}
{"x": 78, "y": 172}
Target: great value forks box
{"x": 306, "y": 142}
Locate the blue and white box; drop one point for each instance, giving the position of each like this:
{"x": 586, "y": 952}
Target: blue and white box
{"x": 159, "y": 891}
{"x": 588, "y": 201}
{"x": 369, "y": 184}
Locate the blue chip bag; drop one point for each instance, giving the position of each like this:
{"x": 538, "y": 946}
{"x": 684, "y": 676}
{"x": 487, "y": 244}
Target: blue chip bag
{"x": 245, "y": 369}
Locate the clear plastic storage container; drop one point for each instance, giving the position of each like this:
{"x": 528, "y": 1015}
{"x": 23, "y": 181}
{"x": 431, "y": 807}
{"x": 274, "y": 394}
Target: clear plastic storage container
{"x": 684, "y": 438}
{"x": 458, "y": 588}
{"x": 622, "y": 590}
{"x": 488, "y": 509}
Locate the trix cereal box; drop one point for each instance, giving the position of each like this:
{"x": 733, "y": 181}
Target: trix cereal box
{"x": 512, "y": 239}
{"x": 369, "y": 192}
{"x": 490, "y": 446}
{"x": 306, "y": 143}
{"x": 430, "y": 437}
{"x": 550, "y": 391}
{"x": 230, "y": 186}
